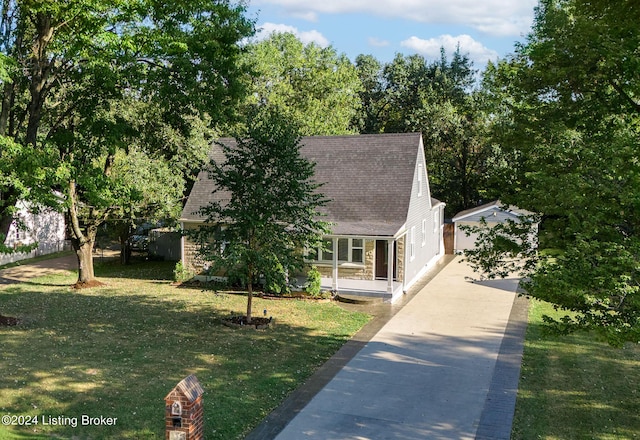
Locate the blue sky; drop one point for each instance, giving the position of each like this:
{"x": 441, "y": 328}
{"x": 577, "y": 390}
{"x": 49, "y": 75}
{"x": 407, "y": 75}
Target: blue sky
{"x": 485, "y": 29}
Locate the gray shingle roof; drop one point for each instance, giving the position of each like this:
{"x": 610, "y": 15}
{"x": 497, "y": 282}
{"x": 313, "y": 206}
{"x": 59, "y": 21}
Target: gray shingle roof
{"x": 496, "y": 204}
{"x": 368, "y": 179}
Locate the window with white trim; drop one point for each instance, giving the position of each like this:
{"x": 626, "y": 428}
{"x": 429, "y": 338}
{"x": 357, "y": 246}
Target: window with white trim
{"x": 419, "y": 180}
{"x": 436, "y": 220}
{"x": 424, "y": 231}
{"x": 412, "y": 243}
{"x": 350, "y": 250}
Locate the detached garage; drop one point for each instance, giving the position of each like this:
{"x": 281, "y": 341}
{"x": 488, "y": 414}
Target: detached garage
{"x": 493, "y": 213}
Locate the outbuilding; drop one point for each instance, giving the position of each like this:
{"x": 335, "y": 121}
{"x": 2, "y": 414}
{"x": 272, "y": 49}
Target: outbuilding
{"x": 493, "y": 213}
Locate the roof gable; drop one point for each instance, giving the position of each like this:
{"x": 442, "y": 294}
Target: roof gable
{"x": 367, "y": 178}
{"x": 489, "y": 210}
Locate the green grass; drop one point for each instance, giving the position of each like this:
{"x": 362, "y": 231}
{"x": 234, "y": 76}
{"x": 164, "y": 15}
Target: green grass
{"x": 118, "y": 350}
{"x": 576, "y": 387}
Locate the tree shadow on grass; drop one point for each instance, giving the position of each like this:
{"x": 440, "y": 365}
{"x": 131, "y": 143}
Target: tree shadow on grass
{"x": 576, "y": 387}
{"x": 138, "y": 269}
{"x": 104, "y": 353}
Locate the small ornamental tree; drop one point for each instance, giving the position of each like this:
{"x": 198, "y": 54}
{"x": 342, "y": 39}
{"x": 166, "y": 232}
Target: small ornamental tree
{"x": 271, "y": 213}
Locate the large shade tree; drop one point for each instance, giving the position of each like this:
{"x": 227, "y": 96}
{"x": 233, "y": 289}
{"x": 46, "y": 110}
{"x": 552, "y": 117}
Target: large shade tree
{"x": 437, "y": 98}
{"x": 568, "y": 119}
{"x": 70, "y": 72}
{"x": 314, "y": 86}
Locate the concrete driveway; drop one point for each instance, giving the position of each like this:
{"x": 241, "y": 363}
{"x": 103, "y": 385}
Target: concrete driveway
{"x": 27, "y": 271}
{"x": 445, "y": 366}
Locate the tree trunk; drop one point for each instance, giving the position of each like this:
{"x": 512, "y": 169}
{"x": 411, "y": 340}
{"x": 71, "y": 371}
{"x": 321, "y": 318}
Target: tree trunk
{"x": 83, "y": 239}
{"x": 5, "y": 224}
{"x": 84, "y": 253}
{"x": 249, "y": 294}
{"x": 249, "y": 302}
{"x": 125, "y": 249}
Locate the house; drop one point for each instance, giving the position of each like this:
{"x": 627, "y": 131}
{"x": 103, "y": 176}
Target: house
{"x": 43, "y": 226}
{"x": 386, "y": 228}
{"x": 493, "y": 213}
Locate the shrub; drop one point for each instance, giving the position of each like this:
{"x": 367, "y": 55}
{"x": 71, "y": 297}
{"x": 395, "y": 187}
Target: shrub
{"x": 181, "y": 273}
{"x": 313, "y": 281}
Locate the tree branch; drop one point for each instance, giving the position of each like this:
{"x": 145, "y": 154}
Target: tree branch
{"x": 634, "y": 104}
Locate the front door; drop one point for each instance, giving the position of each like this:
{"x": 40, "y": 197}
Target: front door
{"x": 382, "y": 259}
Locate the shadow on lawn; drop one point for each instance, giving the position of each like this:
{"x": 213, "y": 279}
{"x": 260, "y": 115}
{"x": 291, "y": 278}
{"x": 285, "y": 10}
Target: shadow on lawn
{"x": 101, "y": 353}
{"x": 138, "y": 269}
{"x": 575, "y": 387}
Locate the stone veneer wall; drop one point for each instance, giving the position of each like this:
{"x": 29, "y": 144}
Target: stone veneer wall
{"x": 190, "y": 258}
{"x": 400, "y": 258}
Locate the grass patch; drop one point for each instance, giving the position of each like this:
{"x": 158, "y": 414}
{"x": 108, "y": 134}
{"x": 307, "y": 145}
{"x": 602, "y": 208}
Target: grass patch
{"x": 576, "y": 387}
{"x": 117, "y": 351}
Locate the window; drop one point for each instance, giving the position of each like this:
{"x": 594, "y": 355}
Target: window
{"x": 436, "y": 220}
{"x": 350, "y": 250}
{"x": 326, "y": 250}
{"x": 412, "y": 243}
{"x": 21, "y": 229}
{"x": 357, "y": 250}
{"x": 419, "y": 180}
{"x": 343, "y": 249}
{"x": 424, "y": 231}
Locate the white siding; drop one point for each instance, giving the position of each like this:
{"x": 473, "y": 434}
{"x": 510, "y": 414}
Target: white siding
{"x": 46, "y": 227}
{"x": 492, "y": 216}
{"x": 420, "y": 209}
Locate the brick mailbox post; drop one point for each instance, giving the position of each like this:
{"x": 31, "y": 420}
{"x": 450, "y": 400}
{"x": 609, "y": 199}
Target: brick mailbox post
{"x": 184, "y": 418}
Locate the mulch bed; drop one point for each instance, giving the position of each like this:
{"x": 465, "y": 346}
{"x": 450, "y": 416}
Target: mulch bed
{"x": 8, "y": 321}
{"x": 87, "y": 285}
{"x": 241, "y": 321}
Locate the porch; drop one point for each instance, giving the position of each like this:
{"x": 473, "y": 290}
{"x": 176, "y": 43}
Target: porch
{"x": 370, "y": 288}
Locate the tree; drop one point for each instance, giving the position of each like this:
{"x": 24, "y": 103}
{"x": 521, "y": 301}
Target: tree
{"x": 313, "y": 86}
{"x": 75, "y": 66}
{"x": 154, "y": 180}
{"x": 570, "y": 125}
{"x": 372, "y": 113}
{"x": 411, "y": 94}
{"x": 269, "y": 212}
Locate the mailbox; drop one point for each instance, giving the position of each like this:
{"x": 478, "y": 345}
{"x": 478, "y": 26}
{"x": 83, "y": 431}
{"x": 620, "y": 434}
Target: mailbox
{"x": 184, "y": 418}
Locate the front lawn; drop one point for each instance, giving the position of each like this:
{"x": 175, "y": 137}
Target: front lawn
{"x": 117, "y": 351}
{"x": 576, "y": 387}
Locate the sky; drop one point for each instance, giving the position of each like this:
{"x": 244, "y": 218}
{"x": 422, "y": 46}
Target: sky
{"x": 484, "y": 29}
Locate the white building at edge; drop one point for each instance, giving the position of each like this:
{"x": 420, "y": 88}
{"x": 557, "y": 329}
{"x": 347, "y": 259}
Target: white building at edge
{"x": 43, "y": 226}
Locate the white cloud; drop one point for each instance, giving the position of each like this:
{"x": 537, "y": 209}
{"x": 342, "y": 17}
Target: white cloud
{"x": 376, "y": 42}
{"x": 430, "y": 48}
{"x": 306, "y": 37}
{"x": 493, "y": 17}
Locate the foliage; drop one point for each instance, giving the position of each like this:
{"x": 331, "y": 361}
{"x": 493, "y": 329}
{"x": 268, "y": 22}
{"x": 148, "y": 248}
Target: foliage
{"x": 503, "y": 248}
{"x": 313, "y": 281}
{"x": 411, "y": 94}
{"x": 315, "y": 87}
{"x": 93, "y": 81}
{"x": 568, "y": 123}
{"x": 181, "y": 273}
{"x": 118, "y": 350}
{"x": 266, "y": 211}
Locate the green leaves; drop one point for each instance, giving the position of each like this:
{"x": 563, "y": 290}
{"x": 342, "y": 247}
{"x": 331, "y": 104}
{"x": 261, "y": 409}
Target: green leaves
{"x": 569, "y": 123}
{"x": 315, "y": 87}
{"x": 266, "y": 213}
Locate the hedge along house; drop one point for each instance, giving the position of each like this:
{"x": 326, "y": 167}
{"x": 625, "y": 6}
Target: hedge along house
{"x": 386, "y": 228}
